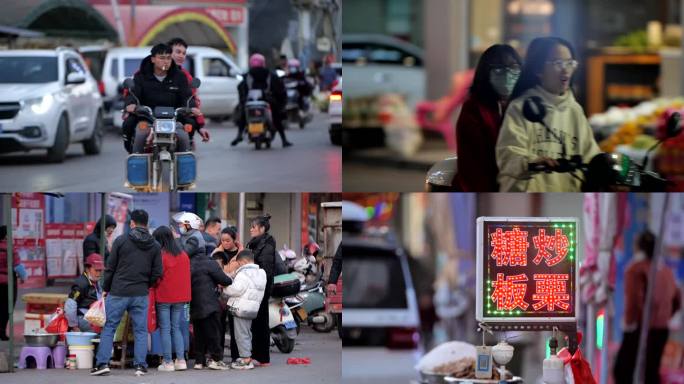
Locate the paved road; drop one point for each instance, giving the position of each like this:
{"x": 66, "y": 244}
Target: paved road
{"x": 313, "y": 164}
{"x": 324, "y": 350}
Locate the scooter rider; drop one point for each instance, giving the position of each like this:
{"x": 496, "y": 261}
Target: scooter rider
{"x": 158, "y": 83}
{"x": 304, "y": 88}
{"x": 274, "y": 94}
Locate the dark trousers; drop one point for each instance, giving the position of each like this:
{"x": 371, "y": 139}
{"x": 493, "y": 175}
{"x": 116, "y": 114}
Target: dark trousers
{"x": 4, "y": 314}
{"x": 234, "y": 352}
{"x": 625, "y": 363}
{"x": 207, "y": 332}
{"x": 277, "y": 123}
{"x": 261, "y": 333}
{"x": 224, "y": 327}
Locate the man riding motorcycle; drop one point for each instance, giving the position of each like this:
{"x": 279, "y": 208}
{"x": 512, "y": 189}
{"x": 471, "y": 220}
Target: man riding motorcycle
{"x": 159, "y": 82}
{"x": 304, "y": 88}
{"x": 274, "y": 94}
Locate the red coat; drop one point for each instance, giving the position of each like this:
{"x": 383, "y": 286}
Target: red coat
{"x": 477, "y": 130}
{"x": 174, "y": 286}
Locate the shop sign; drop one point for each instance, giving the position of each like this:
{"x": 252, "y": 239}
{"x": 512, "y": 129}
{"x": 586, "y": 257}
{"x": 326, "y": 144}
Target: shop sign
{"x": 527, "y": 271}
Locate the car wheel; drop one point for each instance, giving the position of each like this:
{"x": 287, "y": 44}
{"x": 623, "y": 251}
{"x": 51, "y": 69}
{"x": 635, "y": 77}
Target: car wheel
{"x": 57, "y": 153}
{"x": 93, "y": 145}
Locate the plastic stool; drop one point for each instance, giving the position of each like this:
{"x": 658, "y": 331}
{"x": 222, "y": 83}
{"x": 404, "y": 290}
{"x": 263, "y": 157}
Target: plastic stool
{"x": 59, "y": 356}
{"x": 42, "y": 355}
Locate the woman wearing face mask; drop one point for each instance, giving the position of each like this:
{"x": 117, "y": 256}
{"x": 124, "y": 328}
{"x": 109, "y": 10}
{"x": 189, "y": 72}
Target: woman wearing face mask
{"x": 478, "y": 124}
{"x": 547, "y": 74}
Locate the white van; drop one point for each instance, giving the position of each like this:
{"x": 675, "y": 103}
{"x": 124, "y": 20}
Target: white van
{"x": 219, "y": 74}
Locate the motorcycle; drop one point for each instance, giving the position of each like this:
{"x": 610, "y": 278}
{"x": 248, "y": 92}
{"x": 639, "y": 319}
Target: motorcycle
{"x": 292, "y": 110}
{"x": 161, "y": 168}
{"x": 260, "y": 128}
{"x": 606, "y": 171}
{"x": 308, "y": 307}
{"x": 280, "y": 319}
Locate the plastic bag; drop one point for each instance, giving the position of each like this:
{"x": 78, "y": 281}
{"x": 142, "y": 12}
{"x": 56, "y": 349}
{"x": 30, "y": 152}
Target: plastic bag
{"x": 58, "y": 324}
{"x": 152, "y": 311}
{"x": 97, "y": 314}
{"x": 581, "y": 370}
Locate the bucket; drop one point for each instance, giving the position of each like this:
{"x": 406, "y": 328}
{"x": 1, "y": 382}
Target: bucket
{"x": 84, "y": 356}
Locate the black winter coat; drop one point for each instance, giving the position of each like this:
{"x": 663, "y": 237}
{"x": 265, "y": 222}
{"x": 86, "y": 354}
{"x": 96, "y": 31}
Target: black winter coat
{"x": 276, "y": 96}
{"x": 336, "y": 268}
{"x": 174, "y": 91}
{"x": 87, "y": 292}
{"x": 134, "y": 265}
{"x": 91, "y": 244}
{"x": 205, "y": 276}
{"x": 264, "y": 247}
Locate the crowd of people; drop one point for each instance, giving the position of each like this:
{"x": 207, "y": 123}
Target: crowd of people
{"x": 496, "y": 143}
{"x": 196, "y": 263}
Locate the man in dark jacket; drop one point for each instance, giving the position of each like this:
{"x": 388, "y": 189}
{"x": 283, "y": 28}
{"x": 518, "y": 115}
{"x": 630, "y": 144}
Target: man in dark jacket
{"x": 85, "y": 291}
{"x": 159, "y": 83}
{"x": 206, "y": 311}
{"x": 91, "y": 244}
{"x": 335, "y": 271}
{"x": 135, "y": 265}
{"x": 259, "y": 77}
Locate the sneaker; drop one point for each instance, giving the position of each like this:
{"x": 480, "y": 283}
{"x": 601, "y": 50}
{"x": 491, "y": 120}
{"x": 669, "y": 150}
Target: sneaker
{"x": 217, "y": 365}
{"x": 287, "y": 144}
{"x": 235, "y": 142}
{"x": 242, "y": 364}
{"x": 166, "y": 367}
{"x": 258, "y": 364}
{"x": 100, "y": 370}
{"x": 140, "y": 370}
{"x": 198, "y": 366}
{"x": 180, "y": 365}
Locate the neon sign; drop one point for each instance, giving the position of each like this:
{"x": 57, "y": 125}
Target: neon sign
{"x": 526, "y": 271}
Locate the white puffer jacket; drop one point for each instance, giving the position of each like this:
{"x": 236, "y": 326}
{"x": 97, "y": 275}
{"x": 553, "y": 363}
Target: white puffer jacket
{"x": 246, "y": 292}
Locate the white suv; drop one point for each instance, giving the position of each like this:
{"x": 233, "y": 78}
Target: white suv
{"x": 220, "y": 77}
{"x": 48, "y": 100}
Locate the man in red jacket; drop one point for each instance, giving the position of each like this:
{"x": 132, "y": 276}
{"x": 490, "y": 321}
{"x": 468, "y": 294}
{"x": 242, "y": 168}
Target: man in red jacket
{"x": 179, "y": 50}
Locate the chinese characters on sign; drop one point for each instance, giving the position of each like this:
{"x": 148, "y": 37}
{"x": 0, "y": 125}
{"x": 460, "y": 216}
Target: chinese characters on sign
{"x": 527, "y": 268}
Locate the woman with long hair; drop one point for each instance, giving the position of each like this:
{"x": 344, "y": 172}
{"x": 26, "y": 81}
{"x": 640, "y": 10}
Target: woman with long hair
{"x": 172, "y": 294}
{"x": 478, "y": 124}
{"x": 546, "y": 75}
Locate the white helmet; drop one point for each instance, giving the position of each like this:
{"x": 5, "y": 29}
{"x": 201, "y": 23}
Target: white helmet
{"x": 188, "y": 218}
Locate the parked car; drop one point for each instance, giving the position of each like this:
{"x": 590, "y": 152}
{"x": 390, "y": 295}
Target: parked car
{"x": 94, "y": 57}
{"x": 220, "y": 77}
{"x": 48, "y": 100}
{"x": 380, "y": 332}
{"x": 375, "y": 64}
{"x": 335, "y": 113}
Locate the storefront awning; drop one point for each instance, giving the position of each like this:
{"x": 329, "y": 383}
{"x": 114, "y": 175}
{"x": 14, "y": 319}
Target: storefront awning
{"x": 58, "y": 18}
{"x": 160, "y": 23}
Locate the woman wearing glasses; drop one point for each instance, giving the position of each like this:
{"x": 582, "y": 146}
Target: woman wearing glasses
{"x": 478, "y": 124}
{"x": 547, "y": 74}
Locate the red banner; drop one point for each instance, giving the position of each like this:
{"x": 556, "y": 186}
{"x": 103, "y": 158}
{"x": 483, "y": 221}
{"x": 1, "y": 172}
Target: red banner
{"x": 28, "y": 219}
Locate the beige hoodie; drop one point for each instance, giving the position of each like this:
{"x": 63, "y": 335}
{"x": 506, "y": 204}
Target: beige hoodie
{"x": 521, "y": 142}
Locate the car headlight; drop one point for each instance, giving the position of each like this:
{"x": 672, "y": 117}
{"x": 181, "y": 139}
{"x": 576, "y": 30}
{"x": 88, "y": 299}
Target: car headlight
{"x": 40, "y": 105}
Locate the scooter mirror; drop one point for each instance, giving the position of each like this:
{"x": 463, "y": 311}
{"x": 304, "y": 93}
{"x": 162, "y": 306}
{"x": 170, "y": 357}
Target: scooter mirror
{"x": 534, "y": 110}
{"x": 128, "y": 83}
{"x": 674, "y": 126}
{"x": 195, "y": 83}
